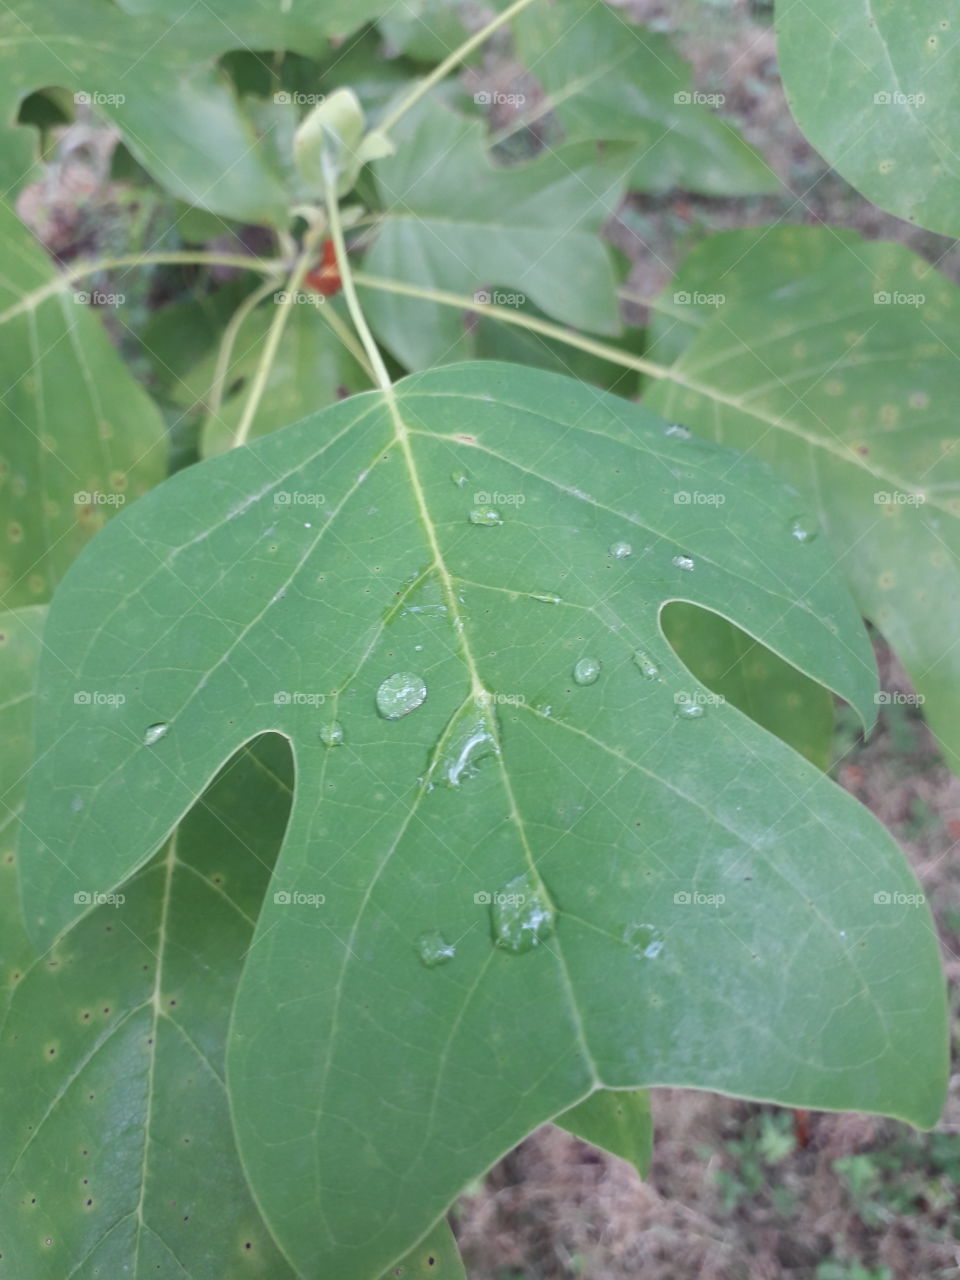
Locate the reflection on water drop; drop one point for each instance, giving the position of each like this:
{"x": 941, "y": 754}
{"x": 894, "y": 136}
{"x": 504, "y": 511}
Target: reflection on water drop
{"x": 433, "y": 949}
{"x": 400, "y": 694}
{"x": 154, "y": 733}
{"x": 683, "y": 562}
{"x": 485, "y": 516}
{"x": 646, "y": 665}
{"x": 545, "y": 598}
{"x": 620, "y": 550}
{"x": 522, "y": 914}
{"x": 587, "y": 671}
{"x": 690, "y": 710}
{"x": 644, "y": 940}
{"x": 460, "y": 479}
{"x": 803, "y": 530}
{"x": 468, "y": 738}
{"x": 331, "y": 735}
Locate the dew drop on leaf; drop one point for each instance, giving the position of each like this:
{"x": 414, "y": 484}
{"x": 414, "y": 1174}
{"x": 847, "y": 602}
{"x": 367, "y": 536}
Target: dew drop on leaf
{"x": 433, "y": 949}
{"x": 644, "y": 940}
{"x": 678, "y": 431}
{"x": 331, "y": 735}
{"x": 620, "y": 550}
{"x": 587, "y": 671}
{"x": 154, "y": 733}
{"x": 400, "y": 694}
{"x": 460, "y": 479}
{"x": 690, "y": 710}
{"x": 646, "y": 665}
{"x": 803, "y": 530}
{"x": 683, "y": 562}
{"x": 523, "y": 915}
{"x": 485, "y": 516}
{"x": 468, "y": 738}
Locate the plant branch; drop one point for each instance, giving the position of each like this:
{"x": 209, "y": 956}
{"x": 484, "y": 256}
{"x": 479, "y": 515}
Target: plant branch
{"x": 228, "y": 342}
{"x": 452, "y": 60}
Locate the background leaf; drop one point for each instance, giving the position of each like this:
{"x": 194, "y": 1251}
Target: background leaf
{"x": 875, "y": 89}
{"x": 618, "y": 1121}
{"x": 622, "y": 819}
{"x": 834, "y": 359}
{"x": 80, "y": 437}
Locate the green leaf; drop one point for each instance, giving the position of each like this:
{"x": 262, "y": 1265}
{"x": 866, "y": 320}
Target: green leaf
{"x": 20, "y": 637}
{"x": 764, "y": 687}
{"x": 875, "y": 89}
{"x": 156, "y": 82}
{"x": 332, "y": 138}
{"x": 302, "y": 25}
{"x": 465, "y": 225}
{"x": 681, "y": 901}
{"x": 618, "y": 1121}
{"x": 116, "y": 1150}
{"x": 632, "y": 88}
{"x": 436, "y": 1258}
{"x": 80, "y": 438}
{"x": 834, "y": 359}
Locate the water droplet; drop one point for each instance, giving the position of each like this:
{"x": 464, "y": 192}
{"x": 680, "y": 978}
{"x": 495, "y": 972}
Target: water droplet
{"x": 460, "y": 479}
{"x": 683, "y": 562}
{"x": 587, "y": 671}
{"x": 803, "y": 530}
{"x": 154, "y": 733}
{"x": 690, "y": 710}
{"x": 400, "y": 694}
{"x": 620, "y": 550}
{"x": 644, "y": 940}
{"x": 76, "y": 804}
{"x": 523, "y": 915}
{"x": 545, "y": 598}
{"x": 485, "y": 516}
{"x": 678, "y": 431}
{"x": 434, "y": 949}
{"x": 646, "y": 665}
{"x": 331, "y": 735}
{"x": 468, "y": 738}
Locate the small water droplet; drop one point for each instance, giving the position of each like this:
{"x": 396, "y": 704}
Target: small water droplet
{"x": 460, "y": 479}
{"x": 522, "y": 914}
{"x": 434, "y": 949}
{"x": 76, "y": 804}
{"x": 803, "y": 530}
{"x": 545, "y": 598}
{"x": 690, "y": 710}
{"x": 154, "y": 733}
{"x": 683, "y": 562}
{"x": 468, "y": 738}
{"x": 485, "y": 516}
{"x": 678, "y": 431}
{"x": 587, "y": 671}
{"x": 400, "y": 694}
{"x": 644, "y": 940}
{"x": 646, "y": 665}
{"x": 331, "y": 735}
{"x": 620, "y": 550}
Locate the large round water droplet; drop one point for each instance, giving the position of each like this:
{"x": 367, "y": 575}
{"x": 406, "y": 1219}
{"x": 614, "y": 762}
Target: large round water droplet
{"x": 485, "y": 516}
{"x": 803, "y": 530}
{"x": 154, "y": 733}
{"x": 620, "y": 550}
{"x": 433, "y": 949}
{"x": 523, "y": 915}
{"x": 331, "y": 735}
{"x": 683, "y": 562}
{"x": 646, "y": 665}
{"x": 587, "y": 671}
{"x": 400, "y": 694}
{"x": 644, "y": 940}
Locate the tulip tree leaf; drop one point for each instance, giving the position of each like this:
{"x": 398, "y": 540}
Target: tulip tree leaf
{"x": 875, "y": 88}
{"x": 633, "y": 89}
{"x": 301, "y": 25}
{"x": 455, "y": 221}
{"x": 79, "y": 436}
{"x": 435, "y": 1258}
{"x": 156, "y": 82}
{"x": 619, "y": 1121}
{"x": 116, "y": 1147}
{"x": 20, "y": 636}
{"x": 835, "y": 360}
{"x": 501, "y": 885}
